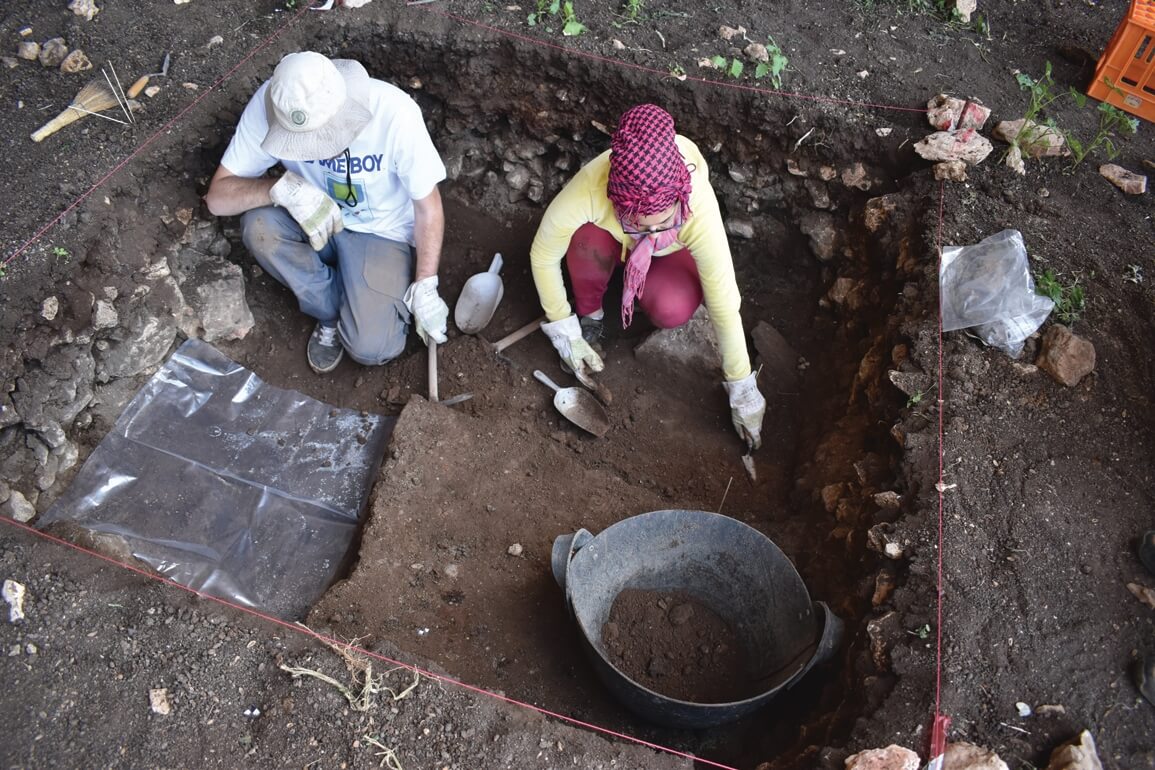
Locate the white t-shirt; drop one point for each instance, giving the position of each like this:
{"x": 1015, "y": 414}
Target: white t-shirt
{"x": 392, "y": 162}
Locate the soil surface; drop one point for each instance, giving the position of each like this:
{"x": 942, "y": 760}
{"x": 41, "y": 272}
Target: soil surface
{"x": 910, "y": 476}
{"x": 676, "y": 645}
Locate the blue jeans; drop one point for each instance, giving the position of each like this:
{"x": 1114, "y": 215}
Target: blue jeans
{"x": 357, "y": 280}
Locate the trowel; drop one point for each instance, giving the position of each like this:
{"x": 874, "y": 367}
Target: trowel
{"x": 479, "y": 299}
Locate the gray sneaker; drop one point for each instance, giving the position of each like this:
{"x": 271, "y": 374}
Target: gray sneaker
{"x": 593, "y": 329}
{"x": 325, "y": 350}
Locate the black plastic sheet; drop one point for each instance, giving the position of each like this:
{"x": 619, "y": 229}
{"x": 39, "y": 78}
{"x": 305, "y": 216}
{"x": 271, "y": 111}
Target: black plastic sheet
{"x": 229, "y": 486}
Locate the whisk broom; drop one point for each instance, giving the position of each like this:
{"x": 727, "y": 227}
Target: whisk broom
{"x": 93, "y": 98}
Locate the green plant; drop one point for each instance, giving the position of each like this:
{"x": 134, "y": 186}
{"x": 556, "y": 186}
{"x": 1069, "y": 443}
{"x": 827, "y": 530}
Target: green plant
{"x": 60, "y": 252}
{"x": 775, "y": 66}
{"x": 543, "y": 7}
{"x": 1069, "y": 298}
{"x": 678, "y": 71}
{"x": 1041, "y": 95}
{"x": 922, "y": 632}
{"x": 733, "y": 68}
{"x": 1112, "y": 121}
{"x": 570, "y": 24}
{"x": 3, "y": 270}
{"x": 631, "y": 10}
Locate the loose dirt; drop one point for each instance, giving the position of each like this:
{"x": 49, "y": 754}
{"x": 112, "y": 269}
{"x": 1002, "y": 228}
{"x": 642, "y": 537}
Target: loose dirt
{"x": 981, "y": 482}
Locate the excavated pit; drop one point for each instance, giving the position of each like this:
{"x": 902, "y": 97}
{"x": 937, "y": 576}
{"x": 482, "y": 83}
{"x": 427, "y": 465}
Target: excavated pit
{"x": 453, "y": 566}
{"x": 821, "y": 258}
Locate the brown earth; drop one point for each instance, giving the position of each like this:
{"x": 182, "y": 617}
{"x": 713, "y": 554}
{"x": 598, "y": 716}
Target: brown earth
{"x": 1044, "y": 488}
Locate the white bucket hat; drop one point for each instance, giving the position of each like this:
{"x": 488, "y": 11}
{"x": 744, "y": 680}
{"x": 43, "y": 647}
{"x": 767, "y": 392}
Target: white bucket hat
{"x": 316, "y": 106}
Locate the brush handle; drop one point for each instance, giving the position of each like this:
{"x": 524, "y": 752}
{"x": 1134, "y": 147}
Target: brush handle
{"x": 60, "y": 121}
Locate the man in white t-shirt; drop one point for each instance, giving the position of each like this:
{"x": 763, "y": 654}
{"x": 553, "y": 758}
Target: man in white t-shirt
{"x": 354, "y": 225}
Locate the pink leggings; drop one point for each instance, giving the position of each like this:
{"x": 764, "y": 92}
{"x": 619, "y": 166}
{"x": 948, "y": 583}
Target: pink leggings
{"x": 673, "y": 290}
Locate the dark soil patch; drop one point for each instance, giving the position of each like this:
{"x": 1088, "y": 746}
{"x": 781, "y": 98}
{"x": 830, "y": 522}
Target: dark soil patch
{"x": 677, "y": 646}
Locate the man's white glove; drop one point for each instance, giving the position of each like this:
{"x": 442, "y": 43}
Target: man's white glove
{"x": 430, "y": 313}
{"x": 747, "y": 408}
{"x": 566, "y": 336}
{"x": 314, "y": 211}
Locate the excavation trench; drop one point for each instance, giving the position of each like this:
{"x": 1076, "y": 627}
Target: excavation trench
{"x": 452, "y": 569}
{"x": 454, "y": 564}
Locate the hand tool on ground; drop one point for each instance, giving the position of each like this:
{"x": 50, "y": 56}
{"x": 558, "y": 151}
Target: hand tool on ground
{"x": 142, "y": 81}
{"x": 518, "y": 335}
{"x": 590, "y": 382}
{"x": 479, "y": 299}
{"x": 432, "y": 371}
{"x": 578, "y": 406}
{"x": 93, "y": 98}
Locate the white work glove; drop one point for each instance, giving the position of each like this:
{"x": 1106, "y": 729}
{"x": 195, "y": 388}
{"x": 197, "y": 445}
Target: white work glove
{"x": 747, "y": 408}
{"x": 566, "y": 336}
{"x": 430, "y": 313}
{"x": 356, "y": 3}
{"x": 314, "y": 211}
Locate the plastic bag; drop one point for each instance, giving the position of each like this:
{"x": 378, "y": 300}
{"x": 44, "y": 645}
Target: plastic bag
{"x": 228, "y": 485}
{"x": 988, "y": 287}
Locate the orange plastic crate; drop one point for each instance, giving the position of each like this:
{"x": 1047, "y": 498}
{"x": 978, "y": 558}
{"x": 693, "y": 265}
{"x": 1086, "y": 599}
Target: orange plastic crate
{"x": 1129, "y": 64}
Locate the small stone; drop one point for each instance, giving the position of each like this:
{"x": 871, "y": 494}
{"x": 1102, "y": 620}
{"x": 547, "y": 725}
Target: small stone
{"x": 29, "y": 49}
{"x": 951, "y": 171}
{"x": 452, "y": 571}
{"x": 1077, "y": 754}
{"x": 1127, "y": 181}
{"x": 85, "y": 8}
{"x": 151, "y": 91}
{"x": 681, "y": 613}
{"x": 893, "y": 551}
{"x": 515, "y": 550}
{"x": 52, "y": 53}
{"x": 968, "y": 756}
{"x": 13, "y": 593}
{"x": 50, "y": 308}
{"x": 1023, "y": 709}
{"x": 214, "y": 41}
{"x": 1066, "y": 356}
{"x": 756, "y": 52}
{"x": 728, "y": 33}
{"x": 740, "y": 228}
{"x": 893, "y": 757}
{"x": 158, "y": 701}
{"x": 75, "y": 62}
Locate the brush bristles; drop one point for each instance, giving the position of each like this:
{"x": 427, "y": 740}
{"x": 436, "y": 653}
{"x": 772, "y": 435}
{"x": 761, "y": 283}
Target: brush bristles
{"x": 94, "y": 97}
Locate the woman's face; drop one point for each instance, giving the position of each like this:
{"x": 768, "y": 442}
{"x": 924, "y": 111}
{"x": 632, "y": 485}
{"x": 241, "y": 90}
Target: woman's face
{"x": 653, "y": 223}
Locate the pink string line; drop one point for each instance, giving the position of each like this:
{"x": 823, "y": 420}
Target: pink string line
{"x": 941, "y": 722}
{"x": 305, "y": 631}
{"x": 131, "y": 156}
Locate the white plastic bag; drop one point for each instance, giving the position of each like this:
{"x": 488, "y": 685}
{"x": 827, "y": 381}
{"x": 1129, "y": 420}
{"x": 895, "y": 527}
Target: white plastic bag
{"x": 987, "y": 286}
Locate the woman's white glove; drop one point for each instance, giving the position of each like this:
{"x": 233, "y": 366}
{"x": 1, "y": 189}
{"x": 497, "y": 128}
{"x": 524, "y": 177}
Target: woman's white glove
{"x": 314, "y": 211}
{"x": 747, "y": 408}
{"x": 430, "y": 313}
{"x": 566, "y": 336}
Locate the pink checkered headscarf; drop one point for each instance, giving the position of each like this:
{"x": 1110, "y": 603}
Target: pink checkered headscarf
{"x": 647, "y": 175}
{"x": 647, "y": 172}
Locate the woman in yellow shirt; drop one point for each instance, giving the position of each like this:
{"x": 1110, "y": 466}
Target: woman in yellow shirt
{"x": 647, "y": 204}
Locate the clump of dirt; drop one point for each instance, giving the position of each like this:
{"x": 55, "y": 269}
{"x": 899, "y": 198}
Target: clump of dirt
{"x": 675, "y": 645}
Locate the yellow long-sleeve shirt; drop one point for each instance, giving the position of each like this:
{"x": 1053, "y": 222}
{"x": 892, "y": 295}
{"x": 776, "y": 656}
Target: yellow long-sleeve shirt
{"x": 584, "y": 199}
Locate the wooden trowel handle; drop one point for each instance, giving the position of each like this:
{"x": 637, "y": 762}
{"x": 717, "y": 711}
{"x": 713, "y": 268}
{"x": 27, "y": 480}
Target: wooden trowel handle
{"x": 520, "y": 334}
{"x": 135, "y": 89}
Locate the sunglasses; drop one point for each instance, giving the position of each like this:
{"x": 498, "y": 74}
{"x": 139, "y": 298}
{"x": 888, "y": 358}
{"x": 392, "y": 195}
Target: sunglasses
{"x": 350, "y": 193}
